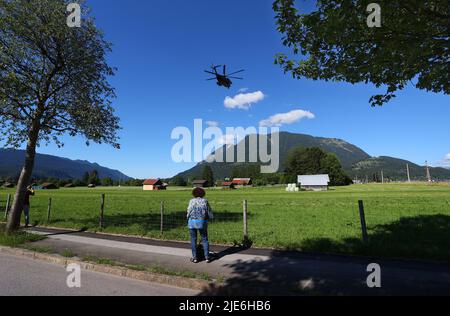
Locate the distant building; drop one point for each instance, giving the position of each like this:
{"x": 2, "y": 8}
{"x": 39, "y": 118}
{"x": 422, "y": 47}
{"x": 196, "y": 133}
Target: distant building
{"x": 49, "y": 186}
{"x": 200, "y": 183}
{"x": 91, "y": 186}
{"x": 8, "y": 185}
{"x": 242, "y": 182}
{"x": 153, "y": 185}
{"x": 228, "y": 185}
{"x": 69, "y": 185}
{"x": 314, "y": 182}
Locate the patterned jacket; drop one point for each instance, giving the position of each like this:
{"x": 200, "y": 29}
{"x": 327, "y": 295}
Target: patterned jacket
{"x": 199, "y": 209}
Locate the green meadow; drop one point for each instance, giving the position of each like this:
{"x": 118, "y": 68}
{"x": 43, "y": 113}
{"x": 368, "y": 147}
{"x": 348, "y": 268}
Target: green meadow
{"x": 404, "y": 220}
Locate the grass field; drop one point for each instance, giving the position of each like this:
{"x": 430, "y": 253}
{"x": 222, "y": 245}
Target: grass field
{"x": 404, "y": 220}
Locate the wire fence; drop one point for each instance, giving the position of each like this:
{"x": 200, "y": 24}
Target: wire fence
{"x": 397, "y": 224}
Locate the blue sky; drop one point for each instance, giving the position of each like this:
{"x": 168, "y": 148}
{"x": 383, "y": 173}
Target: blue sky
{"x": 161, "y": 49}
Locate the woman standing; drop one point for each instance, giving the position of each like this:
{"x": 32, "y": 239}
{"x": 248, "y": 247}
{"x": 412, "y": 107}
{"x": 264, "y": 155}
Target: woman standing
{"x": 198, "y": 214}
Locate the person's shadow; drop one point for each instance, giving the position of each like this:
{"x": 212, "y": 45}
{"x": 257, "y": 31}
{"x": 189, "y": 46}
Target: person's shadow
{"x": 237, "y": 248}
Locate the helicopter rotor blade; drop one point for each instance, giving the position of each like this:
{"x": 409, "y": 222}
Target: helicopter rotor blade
{"x": 236, "y": 78}
{"x": 211, "y": 79}
{"x": 225, "y": 70}
{"x": 236, "y": 72}
{"x": 209, "y": 72}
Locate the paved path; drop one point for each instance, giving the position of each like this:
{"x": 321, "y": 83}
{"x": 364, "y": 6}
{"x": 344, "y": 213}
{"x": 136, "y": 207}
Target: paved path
{"x": 22, "y": 276}
{"x": 264, "y": 271}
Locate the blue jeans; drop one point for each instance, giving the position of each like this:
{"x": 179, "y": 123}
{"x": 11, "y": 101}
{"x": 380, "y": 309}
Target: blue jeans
{"x": 205, "y": 242}
{"x": 26, "y": 211}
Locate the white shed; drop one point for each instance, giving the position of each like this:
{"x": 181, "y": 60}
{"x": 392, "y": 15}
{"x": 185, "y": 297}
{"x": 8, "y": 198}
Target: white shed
{"x": 318, "y": 182}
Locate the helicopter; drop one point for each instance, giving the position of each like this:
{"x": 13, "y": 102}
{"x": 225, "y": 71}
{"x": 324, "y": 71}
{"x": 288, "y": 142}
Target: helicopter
{"x": 223, "y": 80}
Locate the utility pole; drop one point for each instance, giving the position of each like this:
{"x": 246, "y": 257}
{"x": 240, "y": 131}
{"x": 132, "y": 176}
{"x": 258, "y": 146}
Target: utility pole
{"x": 382, "y": 176}
{"x": 407, "y": 170}
{"x": 428, "y": 172}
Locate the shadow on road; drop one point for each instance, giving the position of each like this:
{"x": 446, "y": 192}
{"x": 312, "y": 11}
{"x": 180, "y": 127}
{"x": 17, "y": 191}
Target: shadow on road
{"x": 421, "y": 237}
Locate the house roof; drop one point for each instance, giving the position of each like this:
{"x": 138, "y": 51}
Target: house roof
{"x": 200, "y": 181}
{"x": 48, "y": 184}
{"x": 242, "y": 181}
{"x": 320, "y": 179}
{"x": 227, "y": 184}
{"x": 152, "y": 182}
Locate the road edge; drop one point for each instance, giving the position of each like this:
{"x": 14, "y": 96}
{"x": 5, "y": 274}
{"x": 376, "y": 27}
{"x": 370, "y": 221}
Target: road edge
{"x": 176, "y": 281}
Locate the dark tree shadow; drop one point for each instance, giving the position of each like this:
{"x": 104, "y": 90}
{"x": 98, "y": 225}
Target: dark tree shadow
{"x": 147, "y": 222}
{"x": 303, "y": 273}
{"x": 422, "y": 237}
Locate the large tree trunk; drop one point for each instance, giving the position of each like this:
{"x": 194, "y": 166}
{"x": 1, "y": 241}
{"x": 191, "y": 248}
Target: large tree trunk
{"x": 13, "y": 223}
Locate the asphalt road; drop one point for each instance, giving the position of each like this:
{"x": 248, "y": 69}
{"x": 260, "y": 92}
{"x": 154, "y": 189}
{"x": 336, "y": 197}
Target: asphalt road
{"x": 25, "y": 277}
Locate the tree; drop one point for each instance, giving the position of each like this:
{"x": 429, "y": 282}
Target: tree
{"x": 310, "y": 161}
{"x": 208, "y": 175}
{"x": 94, "y": 178}
{"x": 304, "y": 161}
{"x": 248, "y": 170}
{"x": 336, "y": 44}
{"x": 178, "y": 182}
{"x": 53, "y": 81}
{"x": 85, "y": 179}
{"x": 331, "y": 165}
{"x": 107, "y": 182}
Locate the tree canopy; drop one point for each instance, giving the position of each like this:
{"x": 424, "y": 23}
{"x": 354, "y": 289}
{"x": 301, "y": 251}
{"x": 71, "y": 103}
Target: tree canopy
{"x": 335, "y": 43}
{"x": 311, "y": 161}
{"x": 53, "y": 77}
{"x": 208, "y": 175}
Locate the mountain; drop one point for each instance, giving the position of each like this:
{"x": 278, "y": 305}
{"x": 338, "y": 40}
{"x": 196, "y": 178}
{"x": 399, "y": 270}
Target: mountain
{"x": 47, "y": 166}
{"x": 395, "y": 169}
{"x": 355, "y": 161}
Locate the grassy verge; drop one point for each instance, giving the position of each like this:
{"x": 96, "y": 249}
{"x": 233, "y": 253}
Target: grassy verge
{"x": 152, "y": 269}
{"x": 16, "y": 239}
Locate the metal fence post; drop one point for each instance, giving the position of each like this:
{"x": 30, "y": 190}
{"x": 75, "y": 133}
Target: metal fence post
{"x": 49, "y": 210}
{"x": 162, "y": 218}
{"x": 102, "y": 212}
{"x": 246, "y": 239}
{"x": 362, "y": 215}
{"x": 8, "y": 202}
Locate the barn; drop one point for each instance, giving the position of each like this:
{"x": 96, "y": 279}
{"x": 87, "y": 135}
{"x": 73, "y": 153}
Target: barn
{"x": 228, "y": 185}
{"x": 49, "y": 186}
{"x": 8, "y": 185}
{"x": 153, "y": 185}
{"x": 242, "y": 182}
{"x": 318, "y": 182}
{"x": 200, "y": 183}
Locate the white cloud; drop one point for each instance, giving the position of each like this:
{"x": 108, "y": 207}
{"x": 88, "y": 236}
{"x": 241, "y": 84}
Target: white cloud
{"x": 242, "y": 90}
{"x": 212, "y": 123}
{"x": 243, "y": 100}
{"x": 287, "y": 118}
{"x": 445, "y": 162}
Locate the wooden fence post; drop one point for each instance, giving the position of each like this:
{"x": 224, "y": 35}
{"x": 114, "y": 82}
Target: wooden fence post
{"x": 49, "y": 210}
{"x": 362, "y": 215}
{"x": 162, "y": 218}
{"x": 246, "y": 239}
{"x": 8, "y": 202}
{"x": 102, "y": 211}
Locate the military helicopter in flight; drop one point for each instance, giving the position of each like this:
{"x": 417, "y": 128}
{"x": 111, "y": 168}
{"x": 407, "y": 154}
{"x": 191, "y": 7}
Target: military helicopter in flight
{"x": 224, "y": 79}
